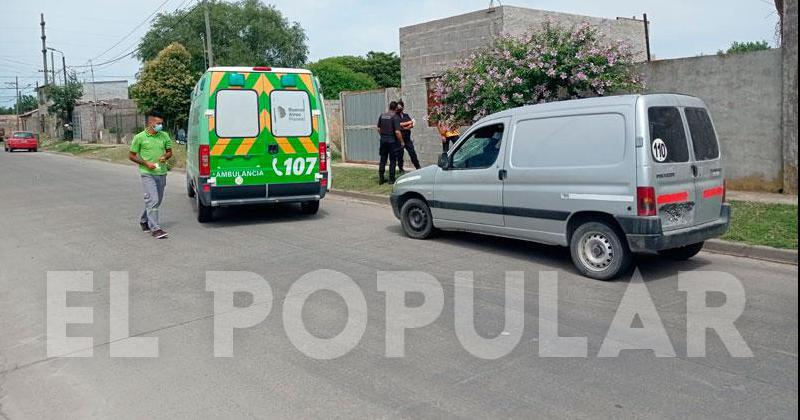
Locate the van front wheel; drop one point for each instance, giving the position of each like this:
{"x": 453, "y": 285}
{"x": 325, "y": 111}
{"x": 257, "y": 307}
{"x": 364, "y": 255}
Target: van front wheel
{"x": 598, "y": 252}
{"x": 416, "y": 218}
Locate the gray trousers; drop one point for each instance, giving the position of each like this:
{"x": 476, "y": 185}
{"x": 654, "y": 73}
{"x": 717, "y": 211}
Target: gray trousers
{"x": 153, "y": 186}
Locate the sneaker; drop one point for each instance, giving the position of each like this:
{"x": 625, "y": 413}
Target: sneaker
{"x": 160, "y": 234}
{"x": 145, "y": 226}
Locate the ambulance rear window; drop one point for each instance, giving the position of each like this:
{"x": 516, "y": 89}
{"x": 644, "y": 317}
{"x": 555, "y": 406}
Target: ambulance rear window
{"x": 237, "y": 113}
{"x": 291, "y": 113}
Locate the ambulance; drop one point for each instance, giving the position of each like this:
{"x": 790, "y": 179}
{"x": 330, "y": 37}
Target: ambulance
{"x": 257, "y": 135}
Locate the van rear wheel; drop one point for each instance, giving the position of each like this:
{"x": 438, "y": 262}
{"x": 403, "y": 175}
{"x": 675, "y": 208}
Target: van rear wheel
{"x": 309, "y": 207}
{"x": 598, "y": 251}
{"x": 683, "y": 253}
{"x": 416, "y": 218}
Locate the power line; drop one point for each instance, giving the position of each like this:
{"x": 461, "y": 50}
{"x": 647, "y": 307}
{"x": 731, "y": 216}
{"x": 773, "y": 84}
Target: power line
{"x": 147, "y": 19}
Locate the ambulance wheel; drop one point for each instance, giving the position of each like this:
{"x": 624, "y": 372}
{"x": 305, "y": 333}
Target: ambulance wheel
{"x": 189, "y": 188}
{"x": 205, "y": 213}
{"x": 309, "y": 207}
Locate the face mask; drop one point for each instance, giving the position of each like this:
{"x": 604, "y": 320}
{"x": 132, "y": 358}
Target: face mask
{"x": 158, "y": 127}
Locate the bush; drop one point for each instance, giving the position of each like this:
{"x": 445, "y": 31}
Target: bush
{"x": 743, "y": 47}
{"x": 552, "y": 64}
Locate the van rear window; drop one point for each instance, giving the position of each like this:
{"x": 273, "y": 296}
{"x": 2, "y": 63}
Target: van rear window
{"x": 668, "y": 142}
{"x": 237, "y": 113}
{"x": 704, "y": 140}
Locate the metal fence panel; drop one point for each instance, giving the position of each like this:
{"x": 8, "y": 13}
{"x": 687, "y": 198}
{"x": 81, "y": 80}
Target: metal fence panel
{"x": 361, "y": 111}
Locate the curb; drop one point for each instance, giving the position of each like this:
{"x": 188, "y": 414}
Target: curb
{"x": 374, "y": 198}
{"x": 785, "y": 256}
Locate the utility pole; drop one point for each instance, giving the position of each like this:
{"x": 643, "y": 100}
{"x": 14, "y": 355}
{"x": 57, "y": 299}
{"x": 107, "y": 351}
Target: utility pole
{"x": 646, "y": 34}
{"x": 64, "y": 65}
{"x": 94, "y": 104}
{"x": 16, "y": 83}
{"x": 44, "y": 49}
{"x": 208, "y": 35}
{"x": 52, "y": 68}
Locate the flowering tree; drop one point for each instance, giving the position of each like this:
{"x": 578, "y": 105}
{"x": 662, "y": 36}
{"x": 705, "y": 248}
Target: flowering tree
{"x": 552, "y": 64}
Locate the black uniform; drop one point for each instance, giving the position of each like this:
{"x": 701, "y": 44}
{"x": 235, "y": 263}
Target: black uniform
{"x": 388, "y": 123}
{"x": 409, "y": 145}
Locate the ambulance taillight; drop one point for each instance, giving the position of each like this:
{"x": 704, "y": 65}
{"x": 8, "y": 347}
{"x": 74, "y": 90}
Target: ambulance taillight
{"x": 323, "y": 157}
{"x": 205, "y": 160}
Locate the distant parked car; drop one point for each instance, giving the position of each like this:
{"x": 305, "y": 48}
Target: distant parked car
{"x": 2, "y": 134}
{"x": 22, "y": 140}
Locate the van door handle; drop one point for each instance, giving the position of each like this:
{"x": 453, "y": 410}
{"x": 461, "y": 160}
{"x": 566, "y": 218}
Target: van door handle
{"x": 695, "y": 171}
{"x": 502, "y": 174}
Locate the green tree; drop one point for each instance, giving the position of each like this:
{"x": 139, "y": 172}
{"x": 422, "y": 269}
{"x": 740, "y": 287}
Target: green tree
{"x": 63, "y": 99}
{"x": 336, "y": 78}
{"x": 244, "y": 33}
{"x": 383, "y": 68}
{"x": 26, "y": 103}
{"x": 744, "y": 47}
{"x": 165, "y": 85}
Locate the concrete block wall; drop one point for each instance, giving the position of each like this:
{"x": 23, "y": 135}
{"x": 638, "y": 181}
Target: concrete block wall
{"x": 105, "y": 90}
{"x": 432, "y": 47}
{"x": 789, "y": 48}
{"x": 744, "y": 93}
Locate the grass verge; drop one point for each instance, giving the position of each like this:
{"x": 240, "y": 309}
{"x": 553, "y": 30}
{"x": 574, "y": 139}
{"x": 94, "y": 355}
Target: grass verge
{"x": 364, "y": 180}
{"x": 113, "y": 153}
{"x": 772, "y": 225}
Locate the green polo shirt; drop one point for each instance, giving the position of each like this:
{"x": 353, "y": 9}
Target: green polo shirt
{"x": 151, "y": 148}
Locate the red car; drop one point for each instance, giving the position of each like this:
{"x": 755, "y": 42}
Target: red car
{"x": 22, "y": 140}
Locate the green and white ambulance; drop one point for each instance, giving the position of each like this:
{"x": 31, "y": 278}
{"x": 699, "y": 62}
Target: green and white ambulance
{"x": 257, "y": 135}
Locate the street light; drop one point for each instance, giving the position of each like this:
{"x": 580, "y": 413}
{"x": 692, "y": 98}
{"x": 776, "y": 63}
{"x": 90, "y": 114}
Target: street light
{"x": 63, "y": 62}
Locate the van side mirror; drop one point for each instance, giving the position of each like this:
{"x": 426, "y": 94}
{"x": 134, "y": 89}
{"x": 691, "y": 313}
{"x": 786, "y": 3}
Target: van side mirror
{"x": 444, "y": 161}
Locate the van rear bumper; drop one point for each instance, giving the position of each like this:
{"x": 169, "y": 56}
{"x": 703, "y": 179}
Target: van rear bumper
{"x": 226, "y": 196}
{"x": 646, "y": 234}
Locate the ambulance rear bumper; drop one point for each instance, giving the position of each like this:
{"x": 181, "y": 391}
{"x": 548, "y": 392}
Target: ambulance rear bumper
{"x": 225, "y": 196}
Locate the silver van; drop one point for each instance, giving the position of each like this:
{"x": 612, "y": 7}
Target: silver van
{"x": 608, "y": 177}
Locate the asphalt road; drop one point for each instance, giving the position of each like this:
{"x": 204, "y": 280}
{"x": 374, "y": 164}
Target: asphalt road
{"x": 61, "y": 213}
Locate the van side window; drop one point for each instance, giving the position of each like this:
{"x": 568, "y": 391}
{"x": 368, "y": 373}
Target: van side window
{"x": 704, "y": 140}
{"x": 237, "y": 113}
{"x": 569, "y": 141}
{"x": 480, "y": 149}
{"x": 668, "y": 142}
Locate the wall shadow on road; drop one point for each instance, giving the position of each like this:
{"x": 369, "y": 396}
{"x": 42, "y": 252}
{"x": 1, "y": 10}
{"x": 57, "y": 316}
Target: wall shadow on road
{"x": 652, "y": 267}
{"x": 260, "y": 214}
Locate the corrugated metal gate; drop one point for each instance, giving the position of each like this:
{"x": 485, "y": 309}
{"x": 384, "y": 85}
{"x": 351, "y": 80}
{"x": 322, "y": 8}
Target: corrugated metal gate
{"x": 360, "y": 111}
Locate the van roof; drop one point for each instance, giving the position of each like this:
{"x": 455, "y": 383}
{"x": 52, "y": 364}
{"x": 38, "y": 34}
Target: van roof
{"x": 601, "y": 101}
{"x": 260, "y": 69}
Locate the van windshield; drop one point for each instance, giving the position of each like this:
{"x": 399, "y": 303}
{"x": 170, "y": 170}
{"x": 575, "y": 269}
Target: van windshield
{"x": 704, "y": 140}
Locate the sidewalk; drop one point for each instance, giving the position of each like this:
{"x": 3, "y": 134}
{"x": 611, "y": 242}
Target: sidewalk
{"x": 760, "y": 197}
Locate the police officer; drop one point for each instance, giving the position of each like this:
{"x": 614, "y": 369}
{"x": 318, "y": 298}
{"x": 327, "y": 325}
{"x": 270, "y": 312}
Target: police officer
{"x": 406, "y": 124}
{"x": 391, "y": 142}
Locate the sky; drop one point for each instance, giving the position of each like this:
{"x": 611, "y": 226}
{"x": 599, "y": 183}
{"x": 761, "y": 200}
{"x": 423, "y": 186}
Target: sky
{"x": 85, "y": 29}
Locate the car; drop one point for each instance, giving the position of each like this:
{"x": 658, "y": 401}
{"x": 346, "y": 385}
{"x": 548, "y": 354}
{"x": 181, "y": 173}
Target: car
{"x": 2, "y": 134}
{"x": 24, "y": 140}
{"x": 608, "y": 177}
{"x": 257, "y": 135}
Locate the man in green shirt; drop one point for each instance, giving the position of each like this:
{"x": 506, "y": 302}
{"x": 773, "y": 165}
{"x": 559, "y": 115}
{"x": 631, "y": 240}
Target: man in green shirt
{"x": 151, "y": 149}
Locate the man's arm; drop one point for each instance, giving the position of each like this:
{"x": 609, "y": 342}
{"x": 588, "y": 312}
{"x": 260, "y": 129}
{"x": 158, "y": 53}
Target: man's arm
{"x": 397, "y": 133}
{"x": 166, "y": 156}
{"x": 135, "y": 158}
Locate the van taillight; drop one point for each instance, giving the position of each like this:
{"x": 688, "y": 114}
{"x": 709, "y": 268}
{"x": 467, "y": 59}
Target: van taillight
{"x": 323, "y": 157}
{"x": 262, "y": 68}
{"x": 205, "y": 160}
{"x": 646, "y": 201}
